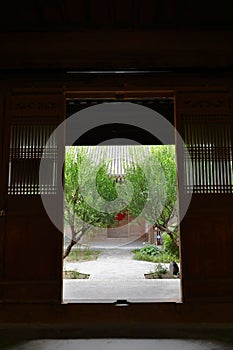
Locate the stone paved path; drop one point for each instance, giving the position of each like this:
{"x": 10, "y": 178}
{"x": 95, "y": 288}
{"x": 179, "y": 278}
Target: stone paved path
{"x": 113, "y": 263}
{"x": 115, "y": 275}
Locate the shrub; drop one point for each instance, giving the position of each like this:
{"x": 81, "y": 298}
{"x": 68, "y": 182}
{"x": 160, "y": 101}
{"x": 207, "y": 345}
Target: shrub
{"x": 160, "y": 270}
{"x": 152, "y": 253}
{"x": 139, "y": 256}
{"x": 149, "y": 249}
{"x": 169, "y": 247}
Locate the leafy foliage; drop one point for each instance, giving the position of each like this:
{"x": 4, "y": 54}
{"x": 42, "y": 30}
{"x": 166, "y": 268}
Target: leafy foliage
{"x": 150, "y": 180}
{"x": 82, "y": 199}
{"x": 151, "y": 252}
{"x": 160, "y": 270}
{"x": 148, "y": 249}
{"x": 169, "y": 247}
{"x": 105, "y": 185}
{"x": 154, "y": 178}
{"x": 136, "y": 176}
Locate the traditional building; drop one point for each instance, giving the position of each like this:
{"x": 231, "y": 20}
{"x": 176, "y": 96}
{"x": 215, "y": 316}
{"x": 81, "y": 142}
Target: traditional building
{"x": 118, "y": 158}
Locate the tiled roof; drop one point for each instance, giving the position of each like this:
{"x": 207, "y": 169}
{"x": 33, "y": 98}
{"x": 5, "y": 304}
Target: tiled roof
{"x": 118, "y": 157}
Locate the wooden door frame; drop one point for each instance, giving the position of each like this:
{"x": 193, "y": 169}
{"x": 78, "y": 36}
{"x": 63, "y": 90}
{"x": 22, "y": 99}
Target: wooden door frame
{"x": 196, "y": 316}
{"x": 129, "y": 95}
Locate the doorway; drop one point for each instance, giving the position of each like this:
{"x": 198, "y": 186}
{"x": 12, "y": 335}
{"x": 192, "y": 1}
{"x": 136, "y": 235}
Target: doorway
{"x": 110, "y": 136}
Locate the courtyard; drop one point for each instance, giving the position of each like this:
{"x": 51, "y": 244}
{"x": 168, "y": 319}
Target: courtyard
{"x": 116, "y": 276}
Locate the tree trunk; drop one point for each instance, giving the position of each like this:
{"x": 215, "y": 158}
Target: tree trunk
{"x": 170, "y": 233}
{"x": 75, "y": 239}
{"x": 69, "y": 247}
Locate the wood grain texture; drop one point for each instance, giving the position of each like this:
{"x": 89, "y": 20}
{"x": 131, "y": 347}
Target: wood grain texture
{"x": 206, "y": 230}
{"x": 33, "y": 245}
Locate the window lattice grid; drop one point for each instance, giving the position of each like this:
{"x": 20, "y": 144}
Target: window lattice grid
{"x": 27, "y": 143}
{"x": 208, "y": 142}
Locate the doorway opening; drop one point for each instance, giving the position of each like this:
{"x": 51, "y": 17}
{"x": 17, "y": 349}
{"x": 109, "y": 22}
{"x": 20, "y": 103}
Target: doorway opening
{"x": 126, "y": 243}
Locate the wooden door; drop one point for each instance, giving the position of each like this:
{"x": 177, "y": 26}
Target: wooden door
{"x": 32, "y": 269}
{"x": 205, "y": 122}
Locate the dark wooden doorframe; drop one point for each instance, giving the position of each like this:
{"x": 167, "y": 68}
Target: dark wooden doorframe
{"x": 198, "y": 282}
{"x": 131, "y": 96}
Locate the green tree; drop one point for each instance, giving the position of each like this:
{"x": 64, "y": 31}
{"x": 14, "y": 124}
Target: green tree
{"x": 88, "y": 188}
{"x": 149, "y": 188}
{"x": 154, "y": 178}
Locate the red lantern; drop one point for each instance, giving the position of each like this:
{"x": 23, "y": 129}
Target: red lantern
{"x": 120, "y": 216}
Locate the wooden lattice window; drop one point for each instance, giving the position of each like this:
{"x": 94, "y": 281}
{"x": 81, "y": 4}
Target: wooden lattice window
{"x": 208, "y": 141}
{"x": 27, "y": 140}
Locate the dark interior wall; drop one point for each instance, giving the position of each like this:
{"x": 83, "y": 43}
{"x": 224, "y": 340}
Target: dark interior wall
{"x": 34, "y": 290}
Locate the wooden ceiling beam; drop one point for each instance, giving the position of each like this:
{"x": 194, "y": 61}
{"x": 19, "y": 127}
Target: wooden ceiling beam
{"x": 116, "y": 49}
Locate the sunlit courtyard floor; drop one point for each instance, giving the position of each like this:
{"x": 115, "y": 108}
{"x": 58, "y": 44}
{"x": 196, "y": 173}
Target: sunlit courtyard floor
{"x": 115, "y": 275}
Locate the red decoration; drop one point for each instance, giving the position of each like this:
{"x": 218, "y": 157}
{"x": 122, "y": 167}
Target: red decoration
{"x": 120, "y": 216}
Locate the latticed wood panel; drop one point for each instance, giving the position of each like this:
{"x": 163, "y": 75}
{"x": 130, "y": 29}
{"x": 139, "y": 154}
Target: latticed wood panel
{"x": 33, "y": 119}
{"x": 32, "y": 268}
{"x": 205, "y": 122}
{"x": 28, "y": 137}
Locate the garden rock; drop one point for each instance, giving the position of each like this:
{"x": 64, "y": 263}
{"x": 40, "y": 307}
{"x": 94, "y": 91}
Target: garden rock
{"x": 174, "y": 268}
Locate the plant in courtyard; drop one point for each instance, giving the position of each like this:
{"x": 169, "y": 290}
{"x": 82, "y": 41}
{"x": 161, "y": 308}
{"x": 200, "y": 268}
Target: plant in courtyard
{"x": 169, "y": 247}
{"x": 80, "y": 195}
{"x": 150, "y": 181}
{"x": 150, "y": 252}
{"x": 159, "y": 271}
{"x": 149, "y": 249}
{"x": 155, "y": 178}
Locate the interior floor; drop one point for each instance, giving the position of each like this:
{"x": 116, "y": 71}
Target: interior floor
{"x": 121, "y": 344}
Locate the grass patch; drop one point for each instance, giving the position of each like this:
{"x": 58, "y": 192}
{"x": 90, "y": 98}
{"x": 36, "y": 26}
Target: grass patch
{"x": 69, "y": 274}
{"x": 160, "y": 258}
{"x": 78, "y": 254}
